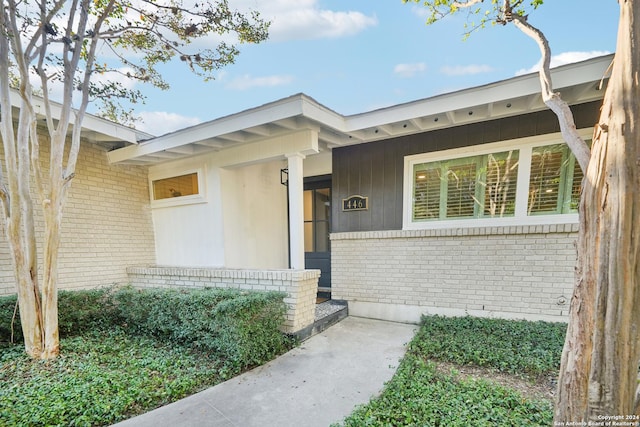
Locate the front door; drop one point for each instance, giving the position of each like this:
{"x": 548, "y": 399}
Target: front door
{"x": 317, "y": 226}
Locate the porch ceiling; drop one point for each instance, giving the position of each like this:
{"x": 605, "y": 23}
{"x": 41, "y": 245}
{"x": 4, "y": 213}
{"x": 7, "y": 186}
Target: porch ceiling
{"x": 578, "y": 83}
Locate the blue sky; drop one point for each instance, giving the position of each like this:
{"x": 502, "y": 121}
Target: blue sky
{"x": 358, "y": 55}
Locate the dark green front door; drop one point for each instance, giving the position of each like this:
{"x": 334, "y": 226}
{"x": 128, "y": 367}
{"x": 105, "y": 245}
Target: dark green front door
{"x": 317, "y": 226}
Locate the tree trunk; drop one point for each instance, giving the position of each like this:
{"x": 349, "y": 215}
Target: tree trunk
{"x": 599, "y": 367}
{"x": 28, "y": 292}
{"x": 53, "y": 219}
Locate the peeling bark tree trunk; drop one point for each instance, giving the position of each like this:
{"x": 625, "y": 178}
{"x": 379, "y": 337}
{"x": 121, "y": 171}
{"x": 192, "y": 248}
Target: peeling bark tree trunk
{"x": 18, "y": 214}
{"x": 599, "y": 368}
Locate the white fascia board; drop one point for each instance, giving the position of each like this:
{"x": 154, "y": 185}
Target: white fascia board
{"x": 283, "y": 109}
{"x": 111, "y": 130}
{"x": 319, "y": 113}
{"x": 568, "y": 75}
{"x": 302, "y": 105}
{"x": 443, "y": 104}
{"x": 304, "y": 142}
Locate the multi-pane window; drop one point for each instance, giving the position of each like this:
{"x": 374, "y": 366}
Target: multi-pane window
{"x": 317, "y": 219}
{"x": 554, "y": 184}
{"x": 529, "y": 182}
{"x": 470, "y": 187}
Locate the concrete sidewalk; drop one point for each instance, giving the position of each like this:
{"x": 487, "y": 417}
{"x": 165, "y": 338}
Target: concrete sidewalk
{"x": 316, "y": 384}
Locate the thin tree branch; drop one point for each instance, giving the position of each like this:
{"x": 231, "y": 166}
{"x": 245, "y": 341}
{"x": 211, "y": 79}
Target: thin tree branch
{"x": 80, "y": 113}
{"x": 552, "y": 99}
{"x": 45, "y": 18}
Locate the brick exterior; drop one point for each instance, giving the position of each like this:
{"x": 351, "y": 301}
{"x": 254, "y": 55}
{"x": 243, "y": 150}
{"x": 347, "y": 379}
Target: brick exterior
{"x": 106, "y": 224}
{"x": 522, "y": 271}
{"x": 299, "y": 285}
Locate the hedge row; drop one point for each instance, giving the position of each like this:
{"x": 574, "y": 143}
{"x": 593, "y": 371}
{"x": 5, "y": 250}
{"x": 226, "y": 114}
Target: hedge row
{"x": 242, "y": 328}
{"x": 78, "y": 311}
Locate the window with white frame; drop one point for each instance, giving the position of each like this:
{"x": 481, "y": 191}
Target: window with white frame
{"x": 175, "y": 186}
{"x": 531, "y": 181}
{"x": 172, "y": 189}
{"x": 469, "y": 187}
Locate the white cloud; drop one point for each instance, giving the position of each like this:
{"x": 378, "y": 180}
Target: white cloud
{"x": 420, "y": 11}
{"x": 306, "y": 20}
{"x": 56, "y": 86}
{"x": 464, "y": 70}
{"x": 248, "y": 82}
{"x": 409, "y": 70}
{"x": 160, "y": 122}
{"x": 562, "y": 59}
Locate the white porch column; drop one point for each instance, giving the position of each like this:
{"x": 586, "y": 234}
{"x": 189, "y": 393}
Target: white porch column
{"x": 296, "y": 210}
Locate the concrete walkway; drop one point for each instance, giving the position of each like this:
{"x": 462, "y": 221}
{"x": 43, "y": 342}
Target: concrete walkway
{"x": 316, "y": 384}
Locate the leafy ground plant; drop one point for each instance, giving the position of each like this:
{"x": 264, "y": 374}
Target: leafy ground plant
{"x": 127, "y": 351}
{"x": 101, "y": 377}
{"x": 426, "y": 391}
{"x": 512, "y": 346}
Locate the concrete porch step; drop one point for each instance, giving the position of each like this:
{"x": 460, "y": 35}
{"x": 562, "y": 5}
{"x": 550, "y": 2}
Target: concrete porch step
{"x": 328, "y": 313}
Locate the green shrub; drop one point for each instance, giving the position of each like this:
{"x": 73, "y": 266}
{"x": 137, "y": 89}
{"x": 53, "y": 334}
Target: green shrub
{"x": 78, "y": 311}
{"x": 512, "y": 346}
{"x": 7, "y": 307}
{"x": 85, "y": 310}
{"x": 182, "y": 342}
{"x": 242, "y": 328}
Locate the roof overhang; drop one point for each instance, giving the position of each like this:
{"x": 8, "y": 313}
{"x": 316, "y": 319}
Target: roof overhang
{"x": 578, "y": 83}
{"x": 95, "y": 129}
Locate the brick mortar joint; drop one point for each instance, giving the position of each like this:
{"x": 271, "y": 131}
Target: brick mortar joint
{"x": 224, "y": 273}
{"x": 565, "y": 228}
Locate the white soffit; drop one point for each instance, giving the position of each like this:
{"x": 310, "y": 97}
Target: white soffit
{"x": 577, "y": 82}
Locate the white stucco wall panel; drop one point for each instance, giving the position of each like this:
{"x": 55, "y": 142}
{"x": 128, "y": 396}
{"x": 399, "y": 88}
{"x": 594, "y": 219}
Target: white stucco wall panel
{"x": 190, "y": 234}
{"x": 318, "y": 164}
{"x": 254, "y": 205}
{"x": 185, "y": 236}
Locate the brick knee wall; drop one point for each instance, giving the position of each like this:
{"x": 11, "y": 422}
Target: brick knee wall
{"x": 524, "y": 271}
{"x": 300, "y": 285}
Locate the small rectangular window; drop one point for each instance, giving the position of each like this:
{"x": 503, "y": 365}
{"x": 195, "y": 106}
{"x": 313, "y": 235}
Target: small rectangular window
{"x": 471, "y": 187}
{"x": 175, "y": 186}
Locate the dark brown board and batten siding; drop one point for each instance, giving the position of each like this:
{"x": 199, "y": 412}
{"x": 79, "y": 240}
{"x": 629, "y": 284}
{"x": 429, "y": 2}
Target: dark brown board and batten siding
{"x": 375, "y": 170}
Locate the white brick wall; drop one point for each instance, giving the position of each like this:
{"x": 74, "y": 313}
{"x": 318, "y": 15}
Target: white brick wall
{"x": 501, "y": 271}
{"x": 299, "y": 285}
{"x": 106, "y": 224}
